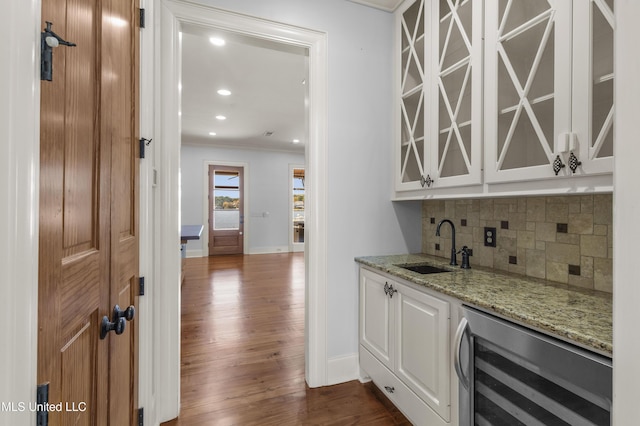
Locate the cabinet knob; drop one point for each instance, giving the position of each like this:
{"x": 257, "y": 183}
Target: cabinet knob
{"x": 389, "y": 290}
{"x": 558, "y": 165}
{"x": 574, "y": 162}
{"x": 426, "y": 181}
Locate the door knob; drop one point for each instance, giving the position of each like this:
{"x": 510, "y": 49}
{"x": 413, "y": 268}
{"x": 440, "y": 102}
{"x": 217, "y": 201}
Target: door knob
{"x": 106, "y": 326}
{"x": 127, "y": 314}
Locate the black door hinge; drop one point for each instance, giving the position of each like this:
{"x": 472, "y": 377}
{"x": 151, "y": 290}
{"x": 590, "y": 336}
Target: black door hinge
{"x": 42, "y": 399}
{"x": 141, "y": 416}
{"x": 141, "y": 286}
{"x": 144, "y": 142}
{"x": 142, "y": 18}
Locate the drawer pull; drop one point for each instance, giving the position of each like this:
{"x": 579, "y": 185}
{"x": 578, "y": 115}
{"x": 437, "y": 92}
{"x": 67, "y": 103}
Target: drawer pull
{"x": 390, "y": 389}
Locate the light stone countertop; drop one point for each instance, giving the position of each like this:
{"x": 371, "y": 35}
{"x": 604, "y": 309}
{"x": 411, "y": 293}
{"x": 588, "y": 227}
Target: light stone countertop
{"x": 569, "y": 313}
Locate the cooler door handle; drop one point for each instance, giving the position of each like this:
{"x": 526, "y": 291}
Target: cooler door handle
{"x": 460, "y": 332}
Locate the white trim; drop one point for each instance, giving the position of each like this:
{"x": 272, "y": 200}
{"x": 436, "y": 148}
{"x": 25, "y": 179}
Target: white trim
{"x": 166, "y": 208}
{"x": 269, "y": 250}
{"x": 147, "y": 356}
{"x": 19, "y": 213}
{"x": 344, "y": 368}
{"x": 205, "y": 202}
{"x": 293, "y": 247}
{"x": 173, "y": 14}
{"x": 195, "y": 253}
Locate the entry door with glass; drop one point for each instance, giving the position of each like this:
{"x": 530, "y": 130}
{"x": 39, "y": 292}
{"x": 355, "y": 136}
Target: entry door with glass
{"x": 226, "y": 211}
{"x": 297, "y": 208}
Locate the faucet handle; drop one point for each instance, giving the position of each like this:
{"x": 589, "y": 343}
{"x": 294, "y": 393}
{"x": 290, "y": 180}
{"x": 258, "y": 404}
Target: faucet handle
{"x": 465, "y": 257}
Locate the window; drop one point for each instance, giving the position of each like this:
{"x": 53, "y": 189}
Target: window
{"x": 226, "y": 194}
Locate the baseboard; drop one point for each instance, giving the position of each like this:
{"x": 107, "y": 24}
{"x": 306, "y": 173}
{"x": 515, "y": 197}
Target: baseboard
{"x": 258, "y": 250}
{"x": 343, "y": 369}
{"x": 195, "y": 253}
{"x": 268, "y": 250}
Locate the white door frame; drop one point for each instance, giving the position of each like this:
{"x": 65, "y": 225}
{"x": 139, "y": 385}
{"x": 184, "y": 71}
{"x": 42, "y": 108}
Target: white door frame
{"x": 205, "y": 203}
{"x": 171, "y": 15}
{"x": 19, "y": 213}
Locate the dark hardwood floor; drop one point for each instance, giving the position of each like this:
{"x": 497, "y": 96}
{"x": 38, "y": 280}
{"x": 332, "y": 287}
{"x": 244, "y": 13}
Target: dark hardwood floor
{"x": 243, "y": 350}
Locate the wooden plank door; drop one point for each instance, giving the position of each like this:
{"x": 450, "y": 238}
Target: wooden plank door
{"x": 226, "y": 210}
{"x": 88, "y": 257}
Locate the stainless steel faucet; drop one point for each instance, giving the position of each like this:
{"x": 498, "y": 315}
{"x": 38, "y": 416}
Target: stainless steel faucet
{"x": 454, "y": 260}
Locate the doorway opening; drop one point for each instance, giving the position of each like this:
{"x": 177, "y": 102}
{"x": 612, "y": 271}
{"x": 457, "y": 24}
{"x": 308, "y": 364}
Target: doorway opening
{"x": 174, "y": 14}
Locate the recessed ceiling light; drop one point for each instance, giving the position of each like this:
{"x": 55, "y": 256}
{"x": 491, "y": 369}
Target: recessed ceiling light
{"x": 224, "y": 92}
{"x": 217, "y": 41}
{"x": 212, "y": 133}
{"x": 296, "y": 141}
{"x": 221, "y": 117}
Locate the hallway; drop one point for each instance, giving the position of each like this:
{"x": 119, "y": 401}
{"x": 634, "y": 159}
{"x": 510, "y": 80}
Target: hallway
{"x": 243, "y": 350}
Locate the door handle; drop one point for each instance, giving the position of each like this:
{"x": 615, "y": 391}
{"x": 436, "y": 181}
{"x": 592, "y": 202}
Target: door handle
{"x": 119, "y": 322}
{"x": 127, "y": 314}
{"x": 460, "y": 332}
{"x": 106, "y": 326}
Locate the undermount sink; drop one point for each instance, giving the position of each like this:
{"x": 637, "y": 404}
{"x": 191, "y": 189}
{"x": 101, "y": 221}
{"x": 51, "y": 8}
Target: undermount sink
{"x": 423, "y": 268}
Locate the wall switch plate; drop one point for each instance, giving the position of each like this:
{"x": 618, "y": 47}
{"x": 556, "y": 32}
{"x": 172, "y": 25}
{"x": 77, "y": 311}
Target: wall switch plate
{"x": 489, "y": 237}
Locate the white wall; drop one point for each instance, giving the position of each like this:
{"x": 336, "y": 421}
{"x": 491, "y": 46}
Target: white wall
{"x": 361, "y": 219}
{"x": 268, "y": 180}
{"x": 626, "y": 201}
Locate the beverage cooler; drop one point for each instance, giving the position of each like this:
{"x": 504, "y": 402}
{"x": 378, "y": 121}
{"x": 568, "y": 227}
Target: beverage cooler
{"x": 511, "y": 375}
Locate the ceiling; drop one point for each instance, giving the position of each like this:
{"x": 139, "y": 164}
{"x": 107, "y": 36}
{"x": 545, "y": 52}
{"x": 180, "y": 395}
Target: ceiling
{"x": 268, "y": 82}
{"x": 267, "y": 108}
{"x": 387, "y": 5}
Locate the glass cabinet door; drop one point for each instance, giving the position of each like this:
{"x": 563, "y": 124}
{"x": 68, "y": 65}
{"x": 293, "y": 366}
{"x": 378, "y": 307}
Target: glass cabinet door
{"x": 456, "y": 92}
{"x": 527, "y": 86}
{"x": 411, "y": 26}
{"x": 593, "y": 106}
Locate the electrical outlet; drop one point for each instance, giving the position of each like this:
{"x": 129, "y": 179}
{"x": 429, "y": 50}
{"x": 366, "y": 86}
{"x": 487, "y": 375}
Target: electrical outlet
{"x": 489, "y": 237}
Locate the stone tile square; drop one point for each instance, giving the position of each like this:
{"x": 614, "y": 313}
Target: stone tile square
{"x": 602, "y": 275}
{"x": 581, "y": 223}
{"x": 593, "y": 245}
{"x": 563, "y": 253}
{"x": 557, "y": 272}
{"x": 536, "y": 209}
{"x": 536, "y": 265}
{"x": 557, "y": 212}
{"x": 602, "y": 209}
{"x": 526, "y": 239}
{"x": 545, "y": 231}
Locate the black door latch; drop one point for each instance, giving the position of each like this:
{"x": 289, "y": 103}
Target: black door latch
{"x": 49, "y": 40}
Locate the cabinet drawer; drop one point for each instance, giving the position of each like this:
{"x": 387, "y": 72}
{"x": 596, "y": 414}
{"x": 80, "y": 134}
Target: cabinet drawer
{"x": 416, "y": 410}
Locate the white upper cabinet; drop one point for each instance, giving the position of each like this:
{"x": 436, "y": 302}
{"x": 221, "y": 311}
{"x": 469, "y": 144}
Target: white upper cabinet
{"x": 548, "y": 89}
{"x": 492, "y": 92}
{"x": 410, "y": 30}
{"x": 440, "y": 86}
{"x": 454, "y": 92}
{"x": 593, "y": 108}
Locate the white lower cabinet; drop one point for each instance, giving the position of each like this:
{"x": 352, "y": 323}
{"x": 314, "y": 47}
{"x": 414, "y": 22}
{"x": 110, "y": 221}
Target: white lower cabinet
{"x": 405, "y": 340}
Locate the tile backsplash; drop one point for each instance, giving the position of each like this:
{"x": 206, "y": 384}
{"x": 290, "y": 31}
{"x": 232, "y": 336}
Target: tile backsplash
{"x": 566, "y": 239}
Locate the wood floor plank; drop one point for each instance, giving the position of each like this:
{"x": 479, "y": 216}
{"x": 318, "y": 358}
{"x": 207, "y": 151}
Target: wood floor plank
{"x": 242, "y": 350}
